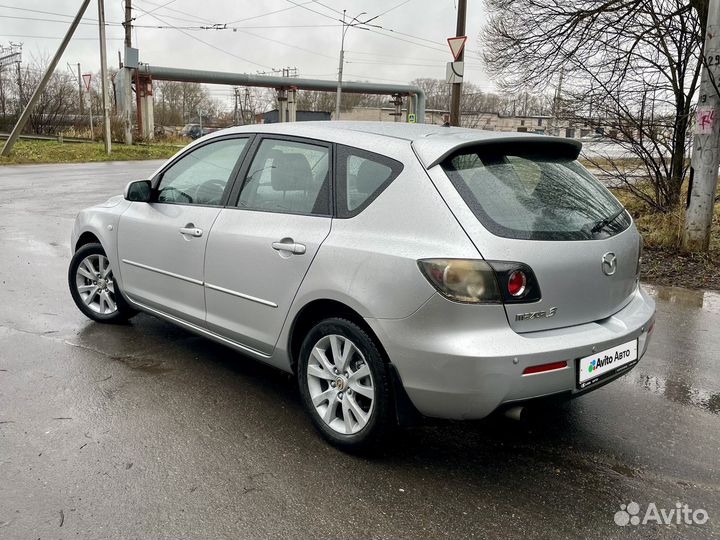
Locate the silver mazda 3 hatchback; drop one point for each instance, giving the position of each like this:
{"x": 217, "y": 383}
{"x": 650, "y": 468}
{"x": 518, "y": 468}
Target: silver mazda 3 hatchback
{"x": 399, "y": 271}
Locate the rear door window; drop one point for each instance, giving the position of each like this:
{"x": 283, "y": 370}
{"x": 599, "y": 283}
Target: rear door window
{"x": 535, "y": 196}
{"x": 289, "y": 177}
{"x": 361, "y": 177}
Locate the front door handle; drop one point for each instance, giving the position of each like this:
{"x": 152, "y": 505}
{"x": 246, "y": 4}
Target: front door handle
{"x": 190, "y": 230}
{"x": 291, "y": 247}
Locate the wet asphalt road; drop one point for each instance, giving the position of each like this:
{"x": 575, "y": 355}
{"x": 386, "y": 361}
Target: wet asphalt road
{"x": 148, "y": 431}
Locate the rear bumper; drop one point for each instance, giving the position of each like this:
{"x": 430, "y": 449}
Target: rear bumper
{"x": 463, "y": 361}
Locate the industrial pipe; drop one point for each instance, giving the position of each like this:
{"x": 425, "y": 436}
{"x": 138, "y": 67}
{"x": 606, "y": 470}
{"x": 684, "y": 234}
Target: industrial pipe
{"x": 245, "y": 79}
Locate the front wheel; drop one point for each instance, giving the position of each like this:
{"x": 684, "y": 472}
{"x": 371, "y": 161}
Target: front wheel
{"x": 93, "y": 286}
{"x": 345, "y": 384}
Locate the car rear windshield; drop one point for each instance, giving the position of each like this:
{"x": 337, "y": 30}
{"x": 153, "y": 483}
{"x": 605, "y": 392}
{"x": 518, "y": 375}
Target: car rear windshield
{"x": 535, "y": 196}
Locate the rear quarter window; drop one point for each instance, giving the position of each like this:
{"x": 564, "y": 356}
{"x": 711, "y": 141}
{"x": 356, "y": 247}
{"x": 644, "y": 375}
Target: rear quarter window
{"x": 535, "y": 196}
{"x": 361, "y": 177}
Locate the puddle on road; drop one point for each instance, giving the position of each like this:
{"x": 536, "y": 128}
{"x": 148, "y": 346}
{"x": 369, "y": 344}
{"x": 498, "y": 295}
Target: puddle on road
{"x": 691, "y": 298}
{"x": 687, "y": 314}
{"x": 676, "y": 391}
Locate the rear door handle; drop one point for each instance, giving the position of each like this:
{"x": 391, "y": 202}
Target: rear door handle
{"x": 296, "y": 249}
{"x": 191, "y": 231}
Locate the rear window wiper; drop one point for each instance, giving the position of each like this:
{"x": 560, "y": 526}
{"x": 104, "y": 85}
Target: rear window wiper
{"x": 607, "y": 221}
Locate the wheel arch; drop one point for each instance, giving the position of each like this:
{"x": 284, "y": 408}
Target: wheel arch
{"x": 85, "y": 238}
{"x": 317, "y": 310}
{"x": 406, "y": 414}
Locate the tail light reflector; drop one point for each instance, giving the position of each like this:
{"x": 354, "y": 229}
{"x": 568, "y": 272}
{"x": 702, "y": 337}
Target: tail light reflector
{"x": 545, "y": 367}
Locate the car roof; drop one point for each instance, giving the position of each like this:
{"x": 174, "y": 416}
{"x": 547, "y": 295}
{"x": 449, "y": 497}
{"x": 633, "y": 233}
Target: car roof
{"x": 432, "y": 143}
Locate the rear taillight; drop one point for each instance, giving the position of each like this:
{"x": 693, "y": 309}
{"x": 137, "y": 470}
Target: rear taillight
{"x": 481, "y": 282}
{"x": 462, "y": 280}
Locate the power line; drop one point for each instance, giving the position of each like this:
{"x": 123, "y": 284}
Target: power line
{"x": 378, "y": 29}
{"x": 153, "y": 10}
{"x": 234, "y": 28}
{"x": 56, "y": 37}
{"x": 287, "y": 45}
{"x": 372, "y": 30}
{"x": 328, "y": 7}
{"x": 304, "y": 6}
{"x": 391, "y": 63}
{"x": 364, "y": 77}
{"x": 239, "y": 29}
{"x": 176, "y": 10}
{"x": 365, "y": 22}
{"x": 206, "y": 43}
{"x": 393, "y": 8}
{"x": 194, "y": 19}
{"x": 53, "y": 20}
{"x": 42, "y": 12}
{"x": 268, "y": 13}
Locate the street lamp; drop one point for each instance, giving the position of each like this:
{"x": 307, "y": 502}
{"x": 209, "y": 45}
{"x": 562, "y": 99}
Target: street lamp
{"x": 346, "y": 27}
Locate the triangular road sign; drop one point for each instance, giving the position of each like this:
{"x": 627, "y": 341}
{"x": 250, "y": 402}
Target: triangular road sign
{"x": 456, "y": 45}
{"x": 86, "y": 79}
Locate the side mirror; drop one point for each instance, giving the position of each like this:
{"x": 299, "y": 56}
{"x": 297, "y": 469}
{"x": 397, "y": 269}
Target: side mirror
{"x": 138, "y": 191}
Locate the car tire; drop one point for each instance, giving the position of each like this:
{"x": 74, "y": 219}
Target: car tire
{"x": 345, "y": 385}
{"x": 94, "y": 289}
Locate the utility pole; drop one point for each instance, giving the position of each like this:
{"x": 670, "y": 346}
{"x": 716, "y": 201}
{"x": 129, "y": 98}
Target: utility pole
{"x": 127, "y": 79}
{"x": 17, "y": 130}
{"x": 103, "y": 74}
{"x": 706, "y": 145}
{"x": 457, "y": 87}
{"x": 552, "y": 128}
{"x": 80, "y": 91}
{"x": 345, "y": 28}
{"x": 127, "y": 24}
{"x": 235, "y": 114}
{"x": 247, "y": 107}
{"x": 2, "y": 93}
{"x": 338, "y": 95}
{"x": 92, "y": 129}
{"x": 20, "y": 86}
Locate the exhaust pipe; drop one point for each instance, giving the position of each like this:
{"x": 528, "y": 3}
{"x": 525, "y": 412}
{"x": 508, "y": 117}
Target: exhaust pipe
{"x": 518, "y": 413}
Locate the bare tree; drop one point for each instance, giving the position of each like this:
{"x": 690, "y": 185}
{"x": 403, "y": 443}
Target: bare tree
{"x": 57, "y": 103}
{"x": 178, "y": 103}
{"x": 631, "y": 64}
{"x": 313, "y": 100}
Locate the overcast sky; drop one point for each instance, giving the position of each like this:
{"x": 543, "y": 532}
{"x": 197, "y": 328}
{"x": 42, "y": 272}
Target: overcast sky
{"x": 267, "y": 34}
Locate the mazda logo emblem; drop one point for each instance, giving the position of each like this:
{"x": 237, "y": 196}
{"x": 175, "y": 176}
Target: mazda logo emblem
{"x": 609, "y": 263}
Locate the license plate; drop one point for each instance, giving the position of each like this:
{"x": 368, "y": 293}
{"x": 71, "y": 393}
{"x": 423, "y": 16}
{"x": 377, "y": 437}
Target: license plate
{"x": 603, "y": 364}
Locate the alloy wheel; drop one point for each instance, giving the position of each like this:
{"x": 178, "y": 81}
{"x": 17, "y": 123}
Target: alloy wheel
{"x": 340, "y": 384}
{"x": 95, "y": 284}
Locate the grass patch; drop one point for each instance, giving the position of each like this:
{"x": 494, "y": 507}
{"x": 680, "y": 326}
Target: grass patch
{"x": 663, "y": 262}
{"x": 663, "y": 230}
{"x": 54, "y": 152}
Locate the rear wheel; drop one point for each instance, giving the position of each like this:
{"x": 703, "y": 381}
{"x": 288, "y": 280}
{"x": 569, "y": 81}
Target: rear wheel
{"x": 344, "y": 384}
{"x": 93, "y": 286}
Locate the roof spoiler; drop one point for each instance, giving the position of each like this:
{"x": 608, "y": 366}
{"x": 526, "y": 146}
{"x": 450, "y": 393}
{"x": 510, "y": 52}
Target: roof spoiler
{"x": 434, "y": 150}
